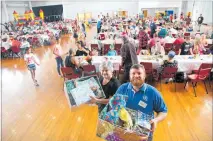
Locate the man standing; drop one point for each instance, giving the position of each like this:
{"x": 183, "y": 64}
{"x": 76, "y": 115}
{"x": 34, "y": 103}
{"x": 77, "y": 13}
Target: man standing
{"x": 200, "y": 21}
{"x": 99, "y": 26}
{"x": 171, "y": 18}
{"x": 188, "y": 21}
{"x": 83, "y": 28}
{"x": 129, "y": 56}
{"x": 143, "y": 97}
{"x": 143, "y": 39}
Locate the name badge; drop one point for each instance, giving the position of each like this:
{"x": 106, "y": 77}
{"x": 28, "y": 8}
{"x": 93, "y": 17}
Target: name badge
{"x": 142, "y": 104}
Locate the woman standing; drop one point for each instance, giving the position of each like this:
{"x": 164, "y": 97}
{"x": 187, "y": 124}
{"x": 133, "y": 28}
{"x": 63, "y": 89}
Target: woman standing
{"x": 75, "y": 35}
{"x": 30, "y": 61}
{"x": 57, "y": 51}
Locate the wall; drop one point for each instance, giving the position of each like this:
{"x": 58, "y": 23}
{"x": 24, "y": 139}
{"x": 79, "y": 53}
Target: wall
{"x": 153, "y": 6}
{"x": 201, "y": 7}
{"x": 19, "y": 7}
{"x": 71, "y": 9}
{"x": 2, "y": 13}
{"x": 45, "y": 3}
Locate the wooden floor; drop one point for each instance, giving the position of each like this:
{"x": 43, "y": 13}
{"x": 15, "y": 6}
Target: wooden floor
{"x": 42, "y": 113}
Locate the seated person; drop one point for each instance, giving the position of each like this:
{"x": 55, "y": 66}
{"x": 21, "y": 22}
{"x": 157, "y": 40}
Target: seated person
{"x": 6, "y": 44}
{"x": 108, "y": 82}
{"x": 173, "y": 31}
{"x": 102, "y": 35}
{"x": 179, "y": 39}
{"x": 203, "y": 40}
{"x": 163, "y": 32}
{"x": 170, "y": 62}
{"x": 198, "y": 47}
{"x": 186, "y": 47}
{"x": 152, "y": 41}
{"x": 190, "y": 28}
{"x": 25, "y": 44}
{"x": 157, "y": 49}
{"x": 112, "y": 52}
{"x": 169, "y": 38}
{"x": 94, "y": 52}
{"x": 15, "y": 42}
{"x": 71, "y": 62}
{"x": 81, "y": 51}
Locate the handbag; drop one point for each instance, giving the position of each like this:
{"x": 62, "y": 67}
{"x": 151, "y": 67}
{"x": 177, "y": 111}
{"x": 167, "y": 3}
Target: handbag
{"x": 179, "y": 77}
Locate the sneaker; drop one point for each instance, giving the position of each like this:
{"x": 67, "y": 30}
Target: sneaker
{"x": 36, "y": 84}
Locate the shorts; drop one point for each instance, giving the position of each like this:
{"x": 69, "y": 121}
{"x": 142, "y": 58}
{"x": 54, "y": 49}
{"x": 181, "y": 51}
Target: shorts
{"x": 31, "y": 67}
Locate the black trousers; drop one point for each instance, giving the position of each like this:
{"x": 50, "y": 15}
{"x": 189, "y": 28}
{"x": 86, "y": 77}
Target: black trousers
{"x": 98, "y": 30}
{"x": 126, "y": 73}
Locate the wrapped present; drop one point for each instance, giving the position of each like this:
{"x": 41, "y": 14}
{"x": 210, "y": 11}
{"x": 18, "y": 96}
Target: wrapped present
{"x": 119, "y": 123}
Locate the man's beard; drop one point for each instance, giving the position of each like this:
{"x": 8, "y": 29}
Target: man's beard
{"x": 136, "y": 82}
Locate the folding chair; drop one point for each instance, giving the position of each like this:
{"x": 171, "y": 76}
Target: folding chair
{"x": 94, "y": 46}
{"x": 68, "y": 73}
{"x": 89, "y": 70}
{"x": 186, "y": 34}
{"x": 148, "y": 68}
{"x": 174, "y": 35}
{"x": 4, "y": 52}
{"x": 15, "y": 50}
{"x": 105, "y": 49}
{"x": 168, "y": 72}
{"x": 102, "y": 36}
{"x": 203, "y": 66}
{"x": 176, "y": 48}
{"x": 202, "y": 75}
{"x": 168, "y": 47}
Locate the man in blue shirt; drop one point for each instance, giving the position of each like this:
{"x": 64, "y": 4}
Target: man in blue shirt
{"x": 143, "y": 97}
{"x": 99, "y": 26}
{"x": 153, "y": 27}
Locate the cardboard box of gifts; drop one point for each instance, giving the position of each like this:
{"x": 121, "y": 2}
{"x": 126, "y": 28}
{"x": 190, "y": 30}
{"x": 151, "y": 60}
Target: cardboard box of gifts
{"x": 118, "y": 123}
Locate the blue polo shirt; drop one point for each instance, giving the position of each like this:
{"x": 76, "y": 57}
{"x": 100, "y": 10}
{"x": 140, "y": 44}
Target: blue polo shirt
{"x": 147, "y": 100}
{"x": 99, "y": 24}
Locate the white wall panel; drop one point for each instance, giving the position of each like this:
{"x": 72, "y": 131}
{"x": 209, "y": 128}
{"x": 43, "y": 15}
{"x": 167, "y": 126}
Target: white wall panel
{"x": 19, "y": 7}
{"x": 72, "y": 8}
{"x": 201, "y": 7}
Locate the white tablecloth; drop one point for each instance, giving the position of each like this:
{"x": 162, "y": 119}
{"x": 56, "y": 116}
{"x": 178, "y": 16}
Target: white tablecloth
{"x": 186, "y": 63}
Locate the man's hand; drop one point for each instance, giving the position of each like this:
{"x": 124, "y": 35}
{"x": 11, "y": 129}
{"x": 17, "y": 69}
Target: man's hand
{"x": 153, "y": 123}
{"x": 93, "y": 99}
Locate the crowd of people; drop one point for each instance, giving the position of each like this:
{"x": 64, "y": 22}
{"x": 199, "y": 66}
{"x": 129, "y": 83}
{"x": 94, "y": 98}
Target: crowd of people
{"x": 137, "y": 37}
